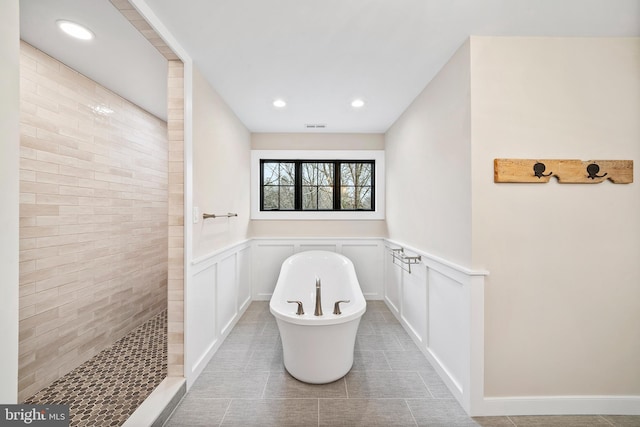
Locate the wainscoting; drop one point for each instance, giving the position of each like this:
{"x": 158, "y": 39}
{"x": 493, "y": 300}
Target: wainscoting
{"x": 366, "y": 255}
{"x": 441, "y": 305}
{"x": 216, "y": 297}
{"x": 438, "y": 303}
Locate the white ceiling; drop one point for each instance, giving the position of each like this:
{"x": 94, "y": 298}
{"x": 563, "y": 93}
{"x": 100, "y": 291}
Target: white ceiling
{"x": 318, "y": 55}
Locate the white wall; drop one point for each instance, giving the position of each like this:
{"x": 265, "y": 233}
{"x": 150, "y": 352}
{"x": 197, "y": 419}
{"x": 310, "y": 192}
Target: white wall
{"x": 317, "y": 141}
{"x": 218, "y": 283}
{"x": 9, "y": 176}
{"x": 221, "y": 161}
{"x": 429, "y": 167}
{"x": 563, "y": 298}
{"x": 428, "y": 162}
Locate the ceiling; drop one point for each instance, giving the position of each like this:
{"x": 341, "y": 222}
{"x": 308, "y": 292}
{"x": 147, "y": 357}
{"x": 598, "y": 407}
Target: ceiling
{"x": 317, "y": 55}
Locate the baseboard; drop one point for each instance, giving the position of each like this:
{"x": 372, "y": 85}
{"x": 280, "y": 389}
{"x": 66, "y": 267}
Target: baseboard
{"x": 561, "y": 405}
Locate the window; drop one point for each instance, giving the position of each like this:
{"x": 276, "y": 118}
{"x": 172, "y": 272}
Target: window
{"x": 317, "y": 185}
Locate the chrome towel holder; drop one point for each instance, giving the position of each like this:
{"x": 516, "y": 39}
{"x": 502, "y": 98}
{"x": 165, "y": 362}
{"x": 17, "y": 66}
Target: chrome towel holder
{"x": 228, "y": 215}
{"x": 404, "y": 261}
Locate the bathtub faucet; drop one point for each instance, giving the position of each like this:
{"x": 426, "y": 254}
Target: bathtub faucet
{"x": 318, "y": 311}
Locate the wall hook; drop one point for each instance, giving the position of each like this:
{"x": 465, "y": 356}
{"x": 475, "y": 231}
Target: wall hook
{"x": 538, "y": 170}
{"x": 593, "y": 170}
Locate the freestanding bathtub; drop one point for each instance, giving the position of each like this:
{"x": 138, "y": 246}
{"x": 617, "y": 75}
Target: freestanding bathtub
{"x": 317, "y": 349}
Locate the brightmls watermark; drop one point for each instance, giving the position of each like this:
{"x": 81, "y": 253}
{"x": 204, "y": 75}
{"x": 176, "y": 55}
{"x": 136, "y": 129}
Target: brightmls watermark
{"x": 34, "y": 415}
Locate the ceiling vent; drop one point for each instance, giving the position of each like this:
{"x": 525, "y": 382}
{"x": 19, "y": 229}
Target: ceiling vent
{"x": 315, "y": 125}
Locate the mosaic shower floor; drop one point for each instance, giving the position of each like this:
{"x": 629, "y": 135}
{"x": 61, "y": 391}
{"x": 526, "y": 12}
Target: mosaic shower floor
{"x": 107, "y": 389}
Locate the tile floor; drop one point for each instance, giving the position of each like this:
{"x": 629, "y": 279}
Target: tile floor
{"x": 108, "y": 388}
{"x": 391, "y": 384}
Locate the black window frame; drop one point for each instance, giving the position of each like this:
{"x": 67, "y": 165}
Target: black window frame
{"x": 337, "y": 163}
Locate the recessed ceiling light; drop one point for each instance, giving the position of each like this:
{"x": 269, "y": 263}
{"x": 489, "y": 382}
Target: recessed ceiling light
{"x": 357, "y": 103}
{"x": 279, "y": 103}
{"x": 75, "y": 30}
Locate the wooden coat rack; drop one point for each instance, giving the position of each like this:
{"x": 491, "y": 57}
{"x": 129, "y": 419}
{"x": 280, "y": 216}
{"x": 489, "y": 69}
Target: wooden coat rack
{"x": 566, "y": 171}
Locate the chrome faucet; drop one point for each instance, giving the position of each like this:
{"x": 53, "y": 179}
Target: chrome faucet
{"x": 318, "y": 310}
{"x": 300, "y": 310}
{"x": 336, "y": 306}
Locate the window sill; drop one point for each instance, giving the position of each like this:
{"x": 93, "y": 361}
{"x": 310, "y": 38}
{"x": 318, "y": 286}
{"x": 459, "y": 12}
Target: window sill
{"x": 317, "y": 216}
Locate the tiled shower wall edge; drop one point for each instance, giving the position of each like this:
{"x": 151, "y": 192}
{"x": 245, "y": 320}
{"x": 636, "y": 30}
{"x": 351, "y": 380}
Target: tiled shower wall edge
{"x": 176, "y": 239}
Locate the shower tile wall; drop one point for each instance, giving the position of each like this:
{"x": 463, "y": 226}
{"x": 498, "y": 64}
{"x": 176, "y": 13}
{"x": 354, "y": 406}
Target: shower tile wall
{"x": 175, "y": 113}
{"x": 93, "y": 218}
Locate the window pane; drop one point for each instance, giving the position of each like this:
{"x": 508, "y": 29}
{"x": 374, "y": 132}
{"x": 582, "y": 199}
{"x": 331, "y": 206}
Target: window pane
{"x": 325, "y": 174}
{"x": 347, "y": 198}
{"x": 309, "y": 198}
{"x": 325, "y": 198}
{"x": 363, "y": 198}
{"x": 309, "y": 174}
{"x": 287, "y": 198}
{"x": 347, "y": 173}
{"x": 287, "y": 173}
{"x": 357, "y": 174}
{"x": 271, "y": 198}
{"x": 363, "y": 174}
{"x": 271, "y": 173}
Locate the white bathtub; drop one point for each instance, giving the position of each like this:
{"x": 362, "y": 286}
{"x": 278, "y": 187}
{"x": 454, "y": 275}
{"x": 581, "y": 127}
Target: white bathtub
{"x": 318, "y": 349}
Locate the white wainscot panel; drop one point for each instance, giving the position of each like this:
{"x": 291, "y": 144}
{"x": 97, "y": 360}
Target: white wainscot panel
{"x": 414, "y": 300}
{"x": 244, "y": 278}
{"x": 367, "y": 261}
{"x": 393, "y": 282}
{"x": 447, "y": 331}
{"x": 316, "y": 247}
{"x": 227, "y": 300}
{"x": 201, "y": 317}
{"x": 267, "y": 260}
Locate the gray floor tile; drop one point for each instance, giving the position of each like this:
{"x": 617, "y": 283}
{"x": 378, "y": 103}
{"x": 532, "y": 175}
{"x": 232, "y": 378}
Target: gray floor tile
{"x": 409, "y": 360}
{"x": 493, "y": 421}
{"x": 385, "y": 384}
{"x": 373, "y": 360}
{"x": 406, "y": 343}
{"x": 623, "y": 420}
{"x": 283, "y": 385}
{"x": 272, "y": 412}
{"x": 377, "y": 305}
{"x": 229, "y": 360}
{"x": 266, "y": 360}
{"x": 248, "y": 328}
{"x": 365, "y": 412}
{"x": 245, "y": 384}
{"x": 431, "y": 377}
{"x": 377, "y": 342}
{"x": 251, "y": 342}
{"x": 440, "y": 413}
{"x": 365, "y": 328}
{"x": 270, "y": 327}
{"x": 199, "y": 412}
{"x": 560, "y": 421}
{"x": 391, "y": 328}
{"x": 377, "y": 316}
{"x": 258, "y": 311}
{"x": 229, "y": 384}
